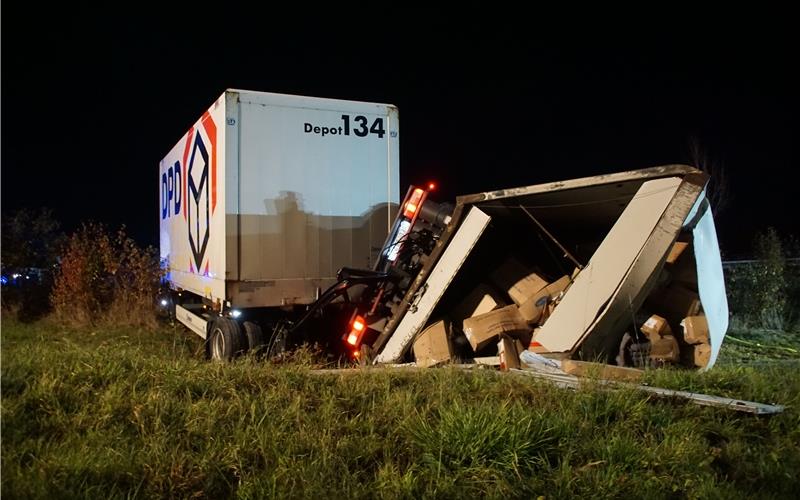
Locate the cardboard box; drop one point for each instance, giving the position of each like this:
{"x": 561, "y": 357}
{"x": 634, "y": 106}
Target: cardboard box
{"x": 518, "y": 281}
{"x": 483, "y": 329}
{"x": 655, "y": 327}
{"x": 603, "y": 371}
{"x": 480, "y": 300}
{"x": 695, "y": 330}
{"x": 508, "y": 351}
{"x": 432, "y": 346}
{"x": 676, "y": 251}
{"x": 533, "y": 309}
{"x": 697, "y": 355}
{"x": 664, "y": 349}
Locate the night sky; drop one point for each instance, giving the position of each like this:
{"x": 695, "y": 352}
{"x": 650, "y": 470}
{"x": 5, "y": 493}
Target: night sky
{"x": 92, "y": 100}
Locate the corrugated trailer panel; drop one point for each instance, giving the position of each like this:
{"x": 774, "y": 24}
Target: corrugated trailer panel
{"x": 310, "y": 185}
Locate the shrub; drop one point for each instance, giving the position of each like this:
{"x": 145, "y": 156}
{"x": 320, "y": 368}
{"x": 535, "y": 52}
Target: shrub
{"x": 105, "y": 278}
{"x": 766, "y": 292}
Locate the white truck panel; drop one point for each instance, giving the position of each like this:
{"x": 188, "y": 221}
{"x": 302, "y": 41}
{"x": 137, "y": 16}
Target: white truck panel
{"x": 297, "y": 188}
{"x": 192, "y": 214}
{"x": 595, "y": 284}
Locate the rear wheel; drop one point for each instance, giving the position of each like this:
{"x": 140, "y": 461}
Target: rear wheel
{"x": 226, "y": 340}
{"x": 254, "y": 335}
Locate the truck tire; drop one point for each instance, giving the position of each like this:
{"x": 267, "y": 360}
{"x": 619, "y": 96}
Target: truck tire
{"x": 254, "y": 335}
{"x": 226, "y": 340}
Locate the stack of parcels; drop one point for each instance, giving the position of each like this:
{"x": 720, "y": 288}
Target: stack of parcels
{"x": 679, "y": 313}
{"x": 486, "y": 319}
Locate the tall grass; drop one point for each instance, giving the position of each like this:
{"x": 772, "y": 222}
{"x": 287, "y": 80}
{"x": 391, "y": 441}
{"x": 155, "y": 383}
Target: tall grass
{"x": 125, "y": 412}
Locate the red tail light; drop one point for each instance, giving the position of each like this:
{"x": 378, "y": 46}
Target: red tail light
{"x": 413, "y": 203}
{"x": 357, "y": 331}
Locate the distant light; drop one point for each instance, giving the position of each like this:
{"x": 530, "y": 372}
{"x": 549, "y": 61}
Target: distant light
{"x": 164, "y": 302}
{"x": 15, "y": 275}
{"x": 432, "y": 186}
{"x": 3, "y": 280}
{"x": 236, "y": 313}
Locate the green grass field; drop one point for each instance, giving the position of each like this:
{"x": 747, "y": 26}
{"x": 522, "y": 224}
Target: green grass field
{"x": 123, "y": 413}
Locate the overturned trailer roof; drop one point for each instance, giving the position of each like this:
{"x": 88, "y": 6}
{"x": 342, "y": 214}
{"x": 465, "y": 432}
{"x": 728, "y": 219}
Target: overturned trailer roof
{"x": 612, "y": 233}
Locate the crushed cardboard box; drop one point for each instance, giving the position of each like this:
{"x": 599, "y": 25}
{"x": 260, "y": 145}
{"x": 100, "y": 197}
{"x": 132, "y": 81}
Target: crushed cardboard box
{"x": 535, "y": 308}
{"x": 517, "y": 280}
{"x": 483, "y": 329}
{"x": 433, "y": 345}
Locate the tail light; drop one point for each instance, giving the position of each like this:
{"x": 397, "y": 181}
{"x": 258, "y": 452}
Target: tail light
{"x": 413, "y": 203}
{"x": 357, "y": 329}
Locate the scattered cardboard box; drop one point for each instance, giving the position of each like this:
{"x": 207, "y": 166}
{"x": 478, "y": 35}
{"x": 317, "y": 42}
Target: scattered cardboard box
{"x": 663, "y": 345}
{"x": 655, "y": 326}
{"x": 697, "y": 355}
{"x": 534, "y": 308}
{"x": 508, "y": 351}
{"x": 517, "y": 281}
{"x": 695, "y": 330}
{"x": 480, "y": 300}
{"x": 664, "y": 349}
{"x": 481, "y": 330}
{"x": 601, "y": 370}
{"x": 433, "y": 346}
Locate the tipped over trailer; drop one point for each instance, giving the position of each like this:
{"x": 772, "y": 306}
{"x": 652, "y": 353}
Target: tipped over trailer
{"x": 624, "y": 268}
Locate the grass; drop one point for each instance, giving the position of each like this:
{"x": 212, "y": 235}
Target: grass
{"x": 119, "y": 413}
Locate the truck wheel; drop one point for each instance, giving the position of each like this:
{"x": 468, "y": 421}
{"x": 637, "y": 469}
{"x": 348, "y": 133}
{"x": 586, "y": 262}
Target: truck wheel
{"x": 254, "y": 335}
{"x": 226, "y": 340}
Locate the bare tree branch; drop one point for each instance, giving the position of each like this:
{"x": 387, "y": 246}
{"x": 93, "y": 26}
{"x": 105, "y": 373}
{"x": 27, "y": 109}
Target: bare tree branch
{"x": 718, "y": 189}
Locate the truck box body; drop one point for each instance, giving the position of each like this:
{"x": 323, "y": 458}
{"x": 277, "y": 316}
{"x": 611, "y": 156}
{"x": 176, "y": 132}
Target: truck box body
{"x": 266, "y": 196}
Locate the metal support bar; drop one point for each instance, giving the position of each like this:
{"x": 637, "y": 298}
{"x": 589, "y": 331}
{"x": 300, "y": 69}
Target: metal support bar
{"x": 573, "y": 382}
{"x": 553, "y": 238}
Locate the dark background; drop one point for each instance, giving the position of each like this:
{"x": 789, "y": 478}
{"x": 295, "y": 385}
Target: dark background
{"x": 93, "y": 99}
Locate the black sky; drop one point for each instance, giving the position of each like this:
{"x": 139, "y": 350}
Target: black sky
{"x": 92, "y": 100}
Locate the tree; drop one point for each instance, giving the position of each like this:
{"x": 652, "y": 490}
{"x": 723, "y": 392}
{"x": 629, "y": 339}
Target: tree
{"x": 718, "y": 188}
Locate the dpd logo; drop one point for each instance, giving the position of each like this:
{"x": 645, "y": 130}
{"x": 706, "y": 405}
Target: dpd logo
{"x": 200, "y": 189}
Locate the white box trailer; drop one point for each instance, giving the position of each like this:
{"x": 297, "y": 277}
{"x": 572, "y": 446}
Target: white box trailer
{"x": 267, "y": 195}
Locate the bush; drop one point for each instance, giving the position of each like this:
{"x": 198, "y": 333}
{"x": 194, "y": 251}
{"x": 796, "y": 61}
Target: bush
{"x": 766, "y": 293}
{"x": 105, "y": 278}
